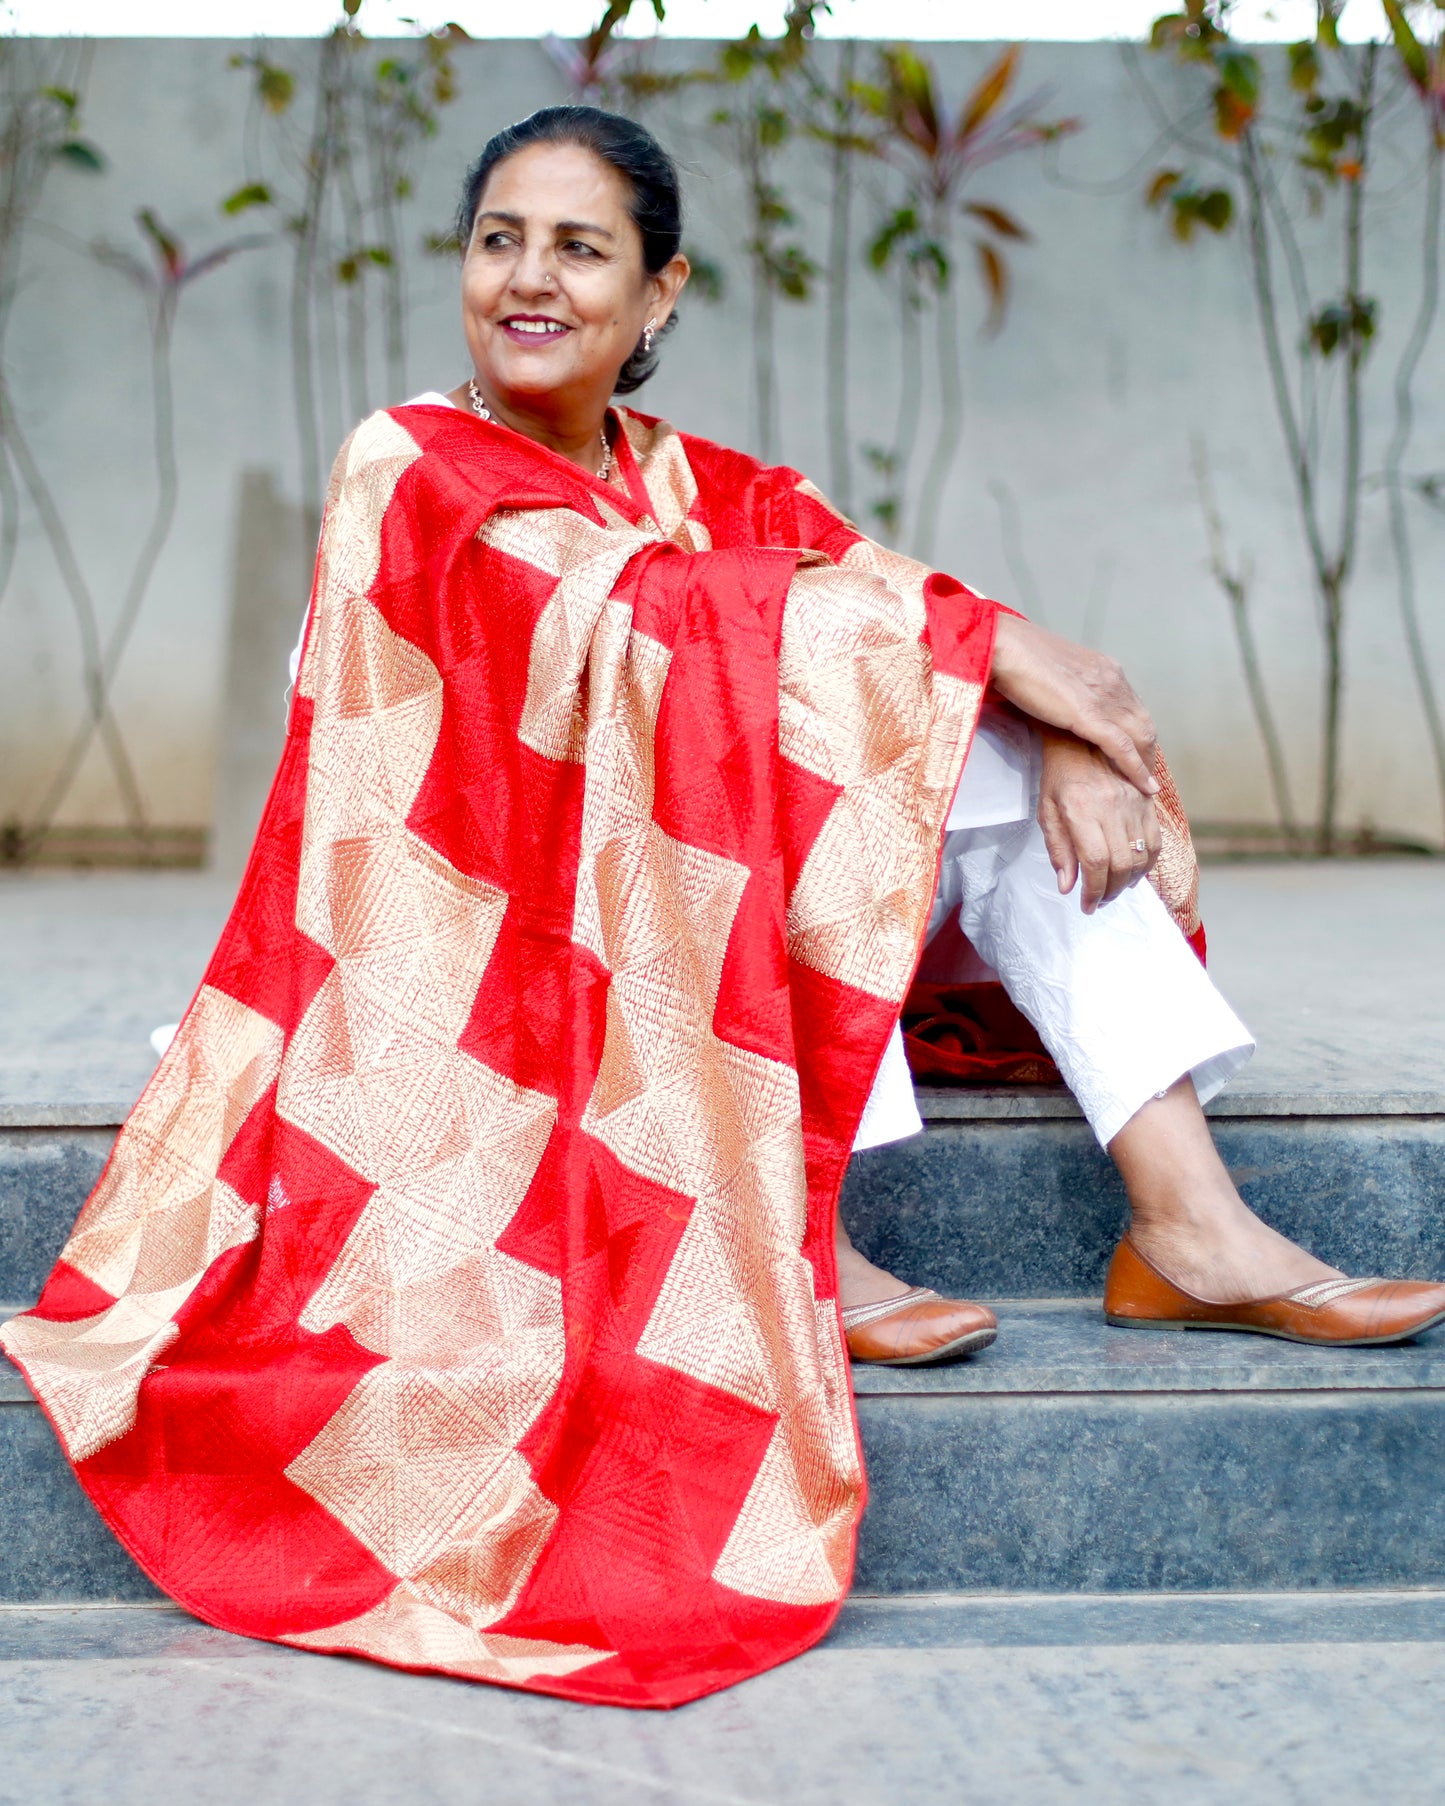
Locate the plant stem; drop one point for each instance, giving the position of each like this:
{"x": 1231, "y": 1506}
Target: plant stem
{"x": 1339, "y": 573}
{"x": 303, "y": 282}
{"x": 92, "y": 662}
{"x": 840, "y": 240}
{"x": 1236, "y": 593}
{"x": 1395, "y": 458}
{"x": 950, "y": 421}
{"x": 910, "y": 391}
{"x": 162, "y": 519}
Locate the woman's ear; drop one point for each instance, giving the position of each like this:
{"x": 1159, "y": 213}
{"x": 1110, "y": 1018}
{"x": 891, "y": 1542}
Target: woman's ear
{"x": 667, "y": 285}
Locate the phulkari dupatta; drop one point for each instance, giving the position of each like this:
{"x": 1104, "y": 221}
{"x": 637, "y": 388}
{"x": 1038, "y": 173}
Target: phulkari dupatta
{"x": 460, "y": 1293}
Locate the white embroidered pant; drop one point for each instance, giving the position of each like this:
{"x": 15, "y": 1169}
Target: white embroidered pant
{"x": 1118, "y": 997}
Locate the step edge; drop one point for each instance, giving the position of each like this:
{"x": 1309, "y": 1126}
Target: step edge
{"x": 935, "y": 1105}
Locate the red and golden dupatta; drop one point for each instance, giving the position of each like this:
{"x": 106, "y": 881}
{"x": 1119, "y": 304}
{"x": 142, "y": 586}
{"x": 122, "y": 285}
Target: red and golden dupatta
{"x": 460, "y": 1292}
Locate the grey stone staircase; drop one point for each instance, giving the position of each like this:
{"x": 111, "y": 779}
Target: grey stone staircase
{"x": 1070, "y": 1458}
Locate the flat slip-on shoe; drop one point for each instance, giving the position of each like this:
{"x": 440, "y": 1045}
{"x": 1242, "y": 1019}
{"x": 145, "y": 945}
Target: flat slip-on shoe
{"x": 916, "y": 1329}
{"x": 1338, "y": 1313}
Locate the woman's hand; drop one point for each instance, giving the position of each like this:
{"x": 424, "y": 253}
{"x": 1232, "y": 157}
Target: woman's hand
{"x": 1085, "y": 693}
{"x": 1093, "y": 821}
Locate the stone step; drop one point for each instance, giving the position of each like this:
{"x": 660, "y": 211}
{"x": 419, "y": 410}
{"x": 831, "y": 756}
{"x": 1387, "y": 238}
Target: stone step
{"x": 1068, "y": 1458}
{"x": 1072, "y": 1457}
{"x": 1006, "y": 1195}
{"x": 1082, "y": 1701}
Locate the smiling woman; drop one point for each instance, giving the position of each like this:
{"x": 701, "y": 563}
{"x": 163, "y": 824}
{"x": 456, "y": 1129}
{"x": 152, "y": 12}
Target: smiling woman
{"x": 570, "y": 223}
{"x": 467, "y": 1289}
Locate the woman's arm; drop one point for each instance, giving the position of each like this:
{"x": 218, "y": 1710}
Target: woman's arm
{"x": 1086, "y": 694}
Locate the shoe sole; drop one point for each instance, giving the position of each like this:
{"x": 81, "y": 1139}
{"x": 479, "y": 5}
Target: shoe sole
{"x": 950, "y": 1351}
{"x": 1280, "y": 1335}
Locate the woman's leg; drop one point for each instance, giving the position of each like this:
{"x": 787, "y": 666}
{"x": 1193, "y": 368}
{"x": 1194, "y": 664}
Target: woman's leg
{"x": 1140, "y": 1034}
{"x": 859, "y": 1281}
{"x": 1186, "y": 1216}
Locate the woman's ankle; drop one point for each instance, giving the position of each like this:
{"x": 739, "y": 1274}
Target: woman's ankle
{"x": 1226, "y": 1259}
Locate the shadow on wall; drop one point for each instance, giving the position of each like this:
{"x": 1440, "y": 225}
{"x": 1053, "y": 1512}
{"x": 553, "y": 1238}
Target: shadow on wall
{"x": 269, "y": 585}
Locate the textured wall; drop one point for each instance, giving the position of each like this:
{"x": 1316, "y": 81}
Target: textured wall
{"x": 1119, "y": 347}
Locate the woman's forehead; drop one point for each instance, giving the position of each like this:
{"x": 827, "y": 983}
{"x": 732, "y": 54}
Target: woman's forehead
{"x": 555, "y": 182}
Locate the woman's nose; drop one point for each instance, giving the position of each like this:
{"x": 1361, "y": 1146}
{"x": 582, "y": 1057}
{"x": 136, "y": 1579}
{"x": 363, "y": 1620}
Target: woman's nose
{"x": 533, "y": 272}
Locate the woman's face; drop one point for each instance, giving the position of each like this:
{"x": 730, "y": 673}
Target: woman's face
{"x": 555, "y": 293}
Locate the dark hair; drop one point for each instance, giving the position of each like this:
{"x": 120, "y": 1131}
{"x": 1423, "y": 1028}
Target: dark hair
{"x": 656, "y": 204}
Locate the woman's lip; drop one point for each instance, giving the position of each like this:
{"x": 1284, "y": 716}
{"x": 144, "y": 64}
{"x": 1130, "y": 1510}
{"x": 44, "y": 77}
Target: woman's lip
{"x": 520, "y": 336}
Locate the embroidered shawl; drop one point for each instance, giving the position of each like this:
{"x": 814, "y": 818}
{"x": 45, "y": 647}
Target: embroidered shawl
{"x": 460, "y": 1293}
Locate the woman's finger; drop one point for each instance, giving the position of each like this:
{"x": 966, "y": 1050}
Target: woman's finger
{"x": 1060, "y": 846}
{"x": 1095, "y": 863}
{"x": 1133, "y": 758}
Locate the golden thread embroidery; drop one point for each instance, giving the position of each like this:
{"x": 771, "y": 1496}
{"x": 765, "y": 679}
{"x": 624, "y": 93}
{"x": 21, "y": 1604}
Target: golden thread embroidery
{"x": 156, "y": 1223}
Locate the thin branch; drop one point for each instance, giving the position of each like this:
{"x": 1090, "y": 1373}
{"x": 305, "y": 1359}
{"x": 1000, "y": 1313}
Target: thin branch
{"x": 92, "y": 659}
{"x": 1011, "y": 537}
{"x": 1395, "y": 457}
{"x": 840, "y": 244}
{"x": 950, "y": 420}
{"x": 1236, "y": 592}
{"x": 1301, "y": 467}
{"x": 162, "y": 519}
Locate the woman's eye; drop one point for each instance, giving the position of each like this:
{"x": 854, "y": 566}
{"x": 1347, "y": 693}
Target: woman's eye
{"x": 495, "y": 240}
{"x": 576, "y": 244}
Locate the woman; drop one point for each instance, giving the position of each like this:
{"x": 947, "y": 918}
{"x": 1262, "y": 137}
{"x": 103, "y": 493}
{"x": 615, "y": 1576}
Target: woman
{"x": 463, "y": 1292}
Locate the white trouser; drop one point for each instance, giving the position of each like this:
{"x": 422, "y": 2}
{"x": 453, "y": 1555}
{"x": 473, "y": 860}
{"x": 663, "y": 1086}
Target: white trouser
{"x": 1118, "y": 997}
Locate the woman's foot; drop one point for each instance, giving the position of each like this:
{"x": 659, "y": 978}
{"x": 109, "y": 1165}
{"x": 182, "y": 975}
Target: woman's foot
{"x": 893, "y": 1324}
{"x": 1332, "y": 1313}
{"x": 859, "y": 1281}
{"x": 1188, "y": 1220}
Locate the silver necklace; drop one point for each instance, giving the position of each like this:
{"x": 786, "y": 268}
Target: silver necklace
{"x": 483, "y": 412}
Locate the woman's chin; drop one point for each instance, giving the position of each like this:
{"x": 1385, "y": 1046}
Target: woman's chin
{"x": 529, "y": 376}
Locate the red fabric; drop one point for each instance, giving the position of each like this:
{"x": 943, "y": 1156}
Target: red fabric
{"x": 448, "y": 1297}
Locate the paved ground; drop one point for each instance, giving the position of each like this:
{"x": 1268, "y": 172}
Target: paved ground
{"x": 1022, "y": 1702}
{"x": 1337, "y": 968}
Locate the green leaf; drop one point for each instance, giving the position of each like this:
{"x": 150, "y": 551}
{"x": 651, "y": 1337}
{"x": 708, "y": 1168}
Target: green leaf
{"x": 82, "y": 154}
{"x": 347, "y": 270}
{"x": 772, "y": 127}
{"x": 930, "y": 256}
{"x": 1304, "y": 67}
{"x": 253, "y": 194}
{"x": 380, "y": 254}
{"x": 1412, "y": 51}
{"x": 1347, "y": 325}
{"x": 276, "y": 86}
{"x": 706, "y": 279}
{"x": 63, "y": 97}
{"x": 1216, "y": 208}
{"x": 792, "y": 272}
{"x": 1239, "y": 72}
{"x": 166, "y": 244}
{"x": 903, "y": 224}
{"x": 1191, "y": 206}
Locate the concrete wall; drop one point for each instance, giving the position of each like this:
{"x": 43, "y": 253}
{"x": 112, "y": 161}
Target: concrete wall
{"x": 1120, "y": 347}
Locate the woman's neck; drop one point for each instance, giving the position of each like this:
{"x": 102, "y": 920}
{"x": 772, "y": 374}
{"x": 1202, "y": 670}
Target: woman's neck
{"x": 579, "y": 437}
